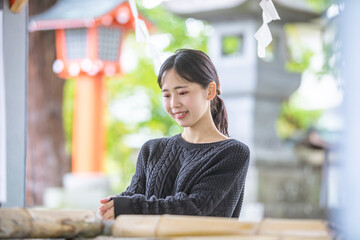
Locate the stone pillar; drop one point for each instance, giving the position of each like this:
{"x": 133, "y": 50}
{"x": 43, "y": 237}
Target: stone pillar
{"x": 253, "y": 91}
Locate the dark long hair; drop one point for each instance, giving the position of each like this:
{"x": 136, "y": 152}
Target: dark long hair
{"x": 195, "y": 66}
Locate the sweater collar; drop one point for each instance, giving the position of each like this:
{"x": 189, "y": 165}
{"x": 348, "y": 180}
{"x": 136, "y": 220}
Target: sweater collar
{"x": 190, "y": 145}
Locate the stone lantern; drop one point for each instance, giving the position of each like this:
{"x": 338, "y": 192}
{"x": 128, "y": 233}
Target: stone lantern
{"x": 253, "y": 88}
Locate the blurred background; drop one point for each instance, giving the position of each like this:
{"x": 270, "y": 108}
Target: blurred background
{"x": 285, "y": 107}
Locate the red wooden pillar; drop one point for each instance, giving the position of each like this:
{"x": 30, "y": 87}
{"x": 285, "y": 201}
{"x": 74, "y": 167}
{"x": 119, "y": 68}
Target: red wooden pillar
{"x": 88, "y": 128}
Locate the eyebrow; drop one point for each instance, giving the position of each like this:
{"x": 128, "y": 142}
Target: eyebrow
{"x": 175, "y": 88}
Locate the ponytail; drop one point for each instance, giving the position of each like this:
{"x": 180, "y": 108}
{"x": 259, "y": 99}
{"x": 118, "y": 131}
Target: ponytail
{"x": 219, "y": 115}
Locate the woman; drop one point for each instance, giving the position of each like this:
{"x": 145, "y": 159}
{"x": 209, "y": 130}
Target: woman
{"x": 198, "y": 172}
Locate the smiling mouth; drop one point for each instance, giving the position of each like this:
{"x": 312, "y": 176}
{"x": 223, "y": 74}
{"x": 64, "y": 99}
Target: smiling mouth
{"x": 181, "y": 115}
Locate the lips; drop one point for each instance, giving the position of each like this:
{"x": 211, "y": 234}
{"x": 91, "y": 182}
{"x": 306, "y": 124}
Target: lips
{"x": 180, "y": 115}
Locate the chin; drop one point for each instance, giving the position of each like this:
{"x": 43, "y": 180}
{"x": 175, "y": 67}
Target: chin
{"x": 182, "y": 124}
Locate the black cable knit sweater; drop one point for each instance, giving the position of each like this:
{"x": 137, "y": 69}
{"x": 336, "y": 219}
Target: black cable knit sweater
{"x": 177, "y": 177}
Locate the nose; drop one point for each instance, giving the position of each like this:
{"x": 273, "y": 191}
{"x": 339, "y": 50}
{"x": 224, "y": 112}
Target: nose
{"x": 175, "y": 103}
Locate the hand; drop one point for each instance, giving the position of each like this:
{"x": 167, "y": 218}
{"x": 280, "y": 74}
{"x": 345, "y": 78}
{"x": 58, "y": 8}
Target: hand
{"x": 106, "y": 210}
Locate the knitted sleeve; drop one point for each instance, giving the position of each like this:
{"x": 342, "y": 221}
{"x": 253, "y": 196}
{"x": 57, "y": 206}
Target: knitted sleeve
{"x": 218, "y": 174}
{"x": 138, "y": 181}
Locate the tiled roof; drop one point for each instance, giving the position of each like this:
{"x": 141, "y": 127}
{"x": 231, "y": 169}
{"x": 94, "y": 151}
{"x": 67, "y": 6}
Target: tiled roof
{"x": 215, "y": 10}
{"x": 72, "y": 13}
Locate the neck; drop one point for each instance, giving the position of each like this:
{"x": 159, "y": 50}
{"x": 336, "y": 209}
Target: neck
{"x": 203, "y": 132}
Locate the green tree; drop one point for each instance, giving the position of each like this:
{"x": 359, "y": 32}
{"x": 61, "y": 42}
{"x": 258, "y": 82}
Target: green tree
{"x": 293, "y": 119}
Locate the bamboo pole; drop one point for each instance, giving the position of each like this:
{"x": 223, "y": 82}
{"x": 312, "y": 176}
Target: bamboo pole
{"x": 293, "y": 228}
{"x": 173, "y": 225}
{"x": 234, "y": 237}
{"x": 196, "y": 228}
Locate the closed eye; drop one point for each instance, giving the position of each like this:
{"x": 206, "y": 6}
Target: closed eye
{"x": 183, "y": 93}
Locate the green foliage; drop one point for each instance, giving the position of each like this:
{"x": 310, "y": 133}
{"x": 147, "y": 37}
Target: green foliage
{"x": 294, "y": 119}
{"x": 68, "y": 107}
{"x": 165, "y": 22}
{"x": 299, "y": 63}
{"x": 232, "y": 45}
{"x": 331, "y": 59}
{"x": 319, "y": 5}
{"x": 299, "y": 56}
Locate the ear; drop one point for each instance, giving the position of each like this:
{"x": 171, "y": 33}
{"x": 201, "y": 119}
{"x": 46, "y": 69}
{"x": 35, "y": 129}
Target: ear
{"x": 211, "y": 91}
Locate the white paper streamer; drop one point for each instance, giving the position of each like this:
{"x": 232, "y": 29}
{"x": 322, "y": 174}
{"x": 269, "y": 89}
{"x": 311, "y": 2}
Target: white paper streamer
{"x": 263, "y": 35}
{"x": 142, "y": 35}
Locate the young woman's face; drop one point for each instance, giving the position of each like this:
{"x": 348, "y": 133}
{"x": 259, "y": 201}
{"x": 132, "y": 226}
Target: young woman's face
{"x": 184, "y": 101}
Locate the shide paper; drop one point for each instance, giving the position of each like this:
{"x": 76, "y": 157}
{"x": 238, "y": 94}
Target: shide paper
{"x": 263, "y": 35}
{"x": 142, "y": 35}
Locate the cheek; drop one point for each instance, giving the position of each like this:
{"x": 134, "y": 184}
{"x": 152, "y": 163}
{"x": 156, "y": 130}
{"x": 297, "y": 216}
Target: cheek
{"x": 199, "y": 102}
{"x": 166, "y": 105}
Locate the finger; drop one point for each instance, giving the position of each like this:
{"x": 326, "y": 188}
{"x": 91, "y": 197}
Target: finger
{"x": 109, "y": 215}
{"x": 107, "y": 199}
{"x": 102, "y": 209}
{"x": 108, "y": 205}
